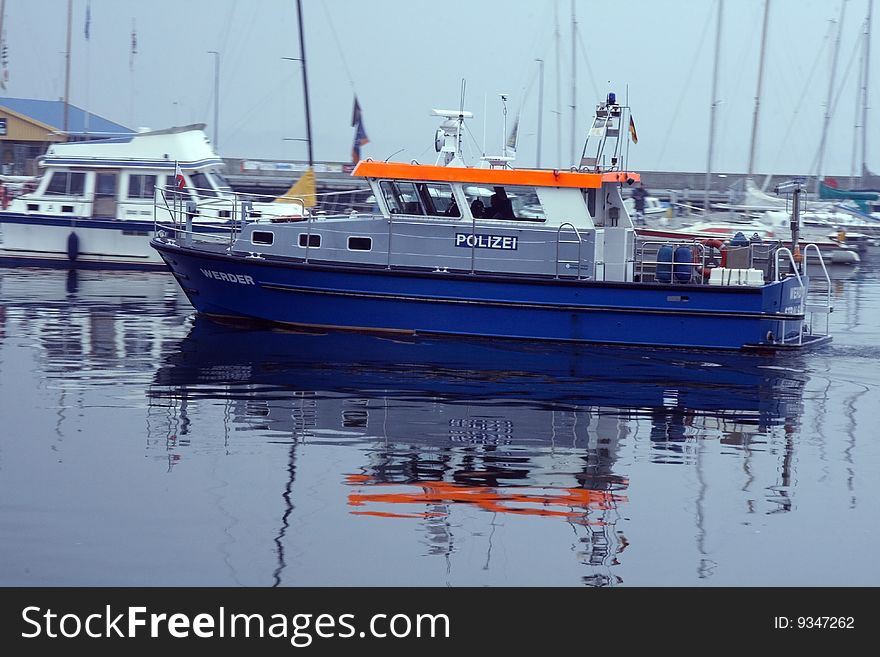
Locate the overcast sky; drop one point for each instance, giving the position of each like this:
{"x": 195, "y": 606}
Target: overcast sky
{"x": 404, "y": 57}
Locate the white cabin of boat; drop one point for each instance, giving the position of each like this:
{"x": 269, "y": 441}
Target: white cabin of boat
{"x": 116, "y": 178}
{"x": 576, "y": 206}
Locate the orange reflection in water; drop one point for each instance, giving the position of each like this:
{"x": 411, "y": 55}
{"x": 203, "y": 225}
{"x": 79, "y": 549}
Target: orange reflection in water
{"x": 523, "y": 500}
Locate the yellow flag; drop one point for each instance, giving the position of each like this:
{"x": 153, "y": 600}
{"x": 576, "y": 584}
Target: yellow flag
{"x": 304, "y": 189}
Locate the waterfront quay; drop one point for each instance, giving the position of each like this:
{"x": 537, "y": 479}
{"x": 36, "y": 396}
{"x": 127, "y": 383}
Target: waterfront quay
{"x": 683, "y": 189}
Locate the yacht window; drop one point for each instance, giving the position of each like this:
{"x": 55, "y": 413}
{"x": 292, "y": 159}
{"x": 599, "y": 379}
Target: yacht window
{"x": 57, "y": 184}
{"x": 203, "y": 185}
{"x": 512, "y": 202}
{"x": 262, "y": 237}
{"x": 77, "y": 184}
{"x": 66, "y": 183}
{"x": 220, "y": 182}
{"x": 401, "y": 197}
{"x": 312, "y": 241}
{"x": 360, "y": 243}
{"x": 105, "y": 185}
{"x": 141, "y": 186}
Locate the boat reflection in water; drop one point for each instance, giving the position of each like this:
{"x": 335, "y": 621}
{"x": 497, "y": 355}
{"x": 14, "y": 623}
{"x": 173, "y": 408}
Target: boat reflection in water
{"x": 525, "y": 429}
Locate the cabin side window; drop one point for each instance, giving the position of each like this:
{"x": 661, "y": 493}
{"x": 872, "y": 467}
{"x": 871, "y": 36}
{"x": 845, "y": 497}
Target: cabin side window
{"x": 360, "y": 243}
{"x": 311, "y": 240}
{"x": 141, "y": 186}
{"x": 264, "y": 237}
{"x": 401, "y": 197}
{"x": 105, "y": 185}
{"x": 420, "y": 198}
{"x": 203, "y": 185}
{"x": 437, "y": 199}
{"x": 512, "y": 202}
{"x": 66, "y": 183}
{"x": 220, "y": 182}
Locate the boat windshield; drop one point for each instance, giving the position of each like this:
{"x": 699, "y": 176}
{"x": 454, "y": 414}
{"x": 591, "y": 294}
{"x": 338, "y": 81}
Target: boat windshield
{"x": 420, "y": 198}
{"x": 219, "y": 181}
{"x": 202, "y": 184}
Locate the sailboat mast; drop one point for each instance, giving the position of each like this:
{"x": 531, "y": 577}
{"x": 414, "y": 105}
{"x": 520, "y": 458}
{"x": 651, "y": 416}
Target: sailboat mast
{"x": 713, "y": 105}
{"x": 540, "y": 112}
{"x": 557, "y": 38}
{"x": 2, "y": 16}
{"x": 751, "y": 170}
{"x": 865, "y": 92}
{"x": 573, "y": 80}
{"x": 67, "y": 67}
{"x": 829, "y": 99}
{"x": 302, "y": 54}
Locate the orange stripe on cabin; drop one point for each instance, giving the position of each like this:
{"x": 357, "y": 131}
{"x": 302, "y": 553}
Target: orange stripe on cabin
{"x": 528, "y": 177}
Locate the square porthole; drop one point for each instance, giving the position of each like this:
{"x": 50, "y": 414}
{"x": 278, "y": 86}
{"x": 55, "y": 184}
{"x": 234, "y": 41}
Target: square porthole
{"x": 262, "y": 237}
{"x": 311, "y": 241}
{"x": 360, "y": 243}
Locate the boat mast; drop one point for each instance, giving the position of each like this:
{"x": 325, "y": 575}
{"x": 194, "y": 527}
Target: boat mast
{"x": 557, "y": 39}
{"x": 2, "y": 15}
{"x": 828, "y": 101}
{"x": 67, "y": 68}
{"x": 713, "y": 106}
{"x": 751, "y": 170}
{"x": 216, "y": 98}
{"x": 302, "y": 54}
{"x": 540, "y": 111}
{"x": 867, "y": 54}
{"x": 573, "y": 80}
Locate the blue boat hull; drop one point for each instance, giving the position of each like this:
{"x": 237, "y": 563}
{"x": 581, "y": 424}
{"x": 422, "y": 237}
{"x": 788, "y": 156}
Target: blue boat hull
{"x": 217, "y": 362}
{"x": 424, "y": 302}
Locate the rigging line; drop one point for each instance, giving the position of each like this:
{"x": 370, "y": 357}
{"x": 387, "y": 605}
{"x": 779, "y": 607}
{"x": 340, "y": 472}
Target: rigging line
{"x": 223, "y": 43}
{"x": 477, "y": 148}
{"x": 224, "y": 39}
{"x": 232, "y": 55}
{"x": 687, "y": 82}
{"x": 856, "y": 48}
{"x": 234, "y": 129}
{"x": 338, "y": 45}
{"x": 598, "y": 96}
{"x": 835, "y": 98}
{"x": 526, "y": 90}
{"x": 546, "y": 39}
{"x": 242, "y": 40}
{"x": 807, "y": 86}
{"x": 735, "y": 88}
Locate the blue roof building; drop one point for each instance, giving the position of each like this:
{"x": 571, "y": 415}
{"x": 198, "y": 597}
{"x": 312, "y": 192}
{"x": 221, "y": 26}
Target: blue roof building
{"x": 28, "y": 126}
{"x": 51, "y": 113}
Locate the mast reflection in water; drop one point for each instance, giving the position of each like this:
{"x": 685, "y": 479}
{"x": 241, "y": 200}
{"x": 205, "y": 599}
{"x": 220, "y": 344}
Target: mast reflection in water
{"x": 142, "y": 446}
{"x": 466, "y": 433}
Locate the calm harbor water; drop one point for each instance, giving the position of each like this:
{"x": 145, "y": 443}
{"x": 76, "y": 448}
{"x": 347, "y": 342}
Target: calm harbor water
{"x": 142, "y": 446}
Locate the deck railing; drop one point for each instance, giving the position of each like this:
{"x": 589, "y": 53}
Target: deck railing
{"x": 795, "y": 269}
{"x": 579, "y": 241}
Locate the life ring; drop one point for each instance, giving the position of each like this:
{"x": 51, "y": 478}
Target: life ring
{"x": 699, "y": 260}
